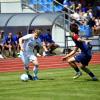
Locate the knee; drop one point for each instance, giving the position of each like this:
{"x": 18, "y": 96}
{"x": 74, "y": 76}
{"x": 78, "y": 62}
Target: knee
{"x": 69, "y": 61}
{"x": 26, "y": 67}
{"x": 82, "y": 67}
{"x": 36, "y": 63}
{"x": 36, "y": 66}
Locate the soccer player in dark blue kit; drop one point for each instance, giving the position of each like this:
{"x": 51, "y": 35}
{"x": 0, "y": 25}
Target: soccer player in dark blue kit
{"x": 83, "y": 57}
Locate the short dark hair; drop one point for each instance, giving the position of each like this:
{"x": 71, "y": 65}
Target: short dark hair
{"x": 74, "y": 28}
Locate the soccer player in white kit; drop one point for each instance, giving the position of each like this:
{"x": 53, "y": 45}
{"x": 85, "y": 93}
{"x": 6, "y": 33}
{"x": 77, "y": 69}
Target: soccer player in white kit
{"x": 27, "y": 44}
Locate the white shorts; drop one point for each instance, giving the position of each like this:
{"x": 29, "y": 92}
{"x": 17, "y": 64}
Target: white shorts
{"x": 27, "y": 57}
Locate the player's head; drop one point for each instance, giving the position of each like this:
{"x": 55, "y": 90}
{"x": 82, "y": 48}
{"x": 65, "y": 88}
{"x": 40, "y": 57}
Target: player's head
{"x": 74, "y": 28}
{"x": 37, "y": 32}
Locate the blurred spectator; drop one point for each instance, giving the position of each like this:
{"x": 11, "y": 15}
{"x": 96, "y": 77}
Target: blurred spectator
{"x": 97, "y": 28}
{"x": 85, "y": 30}
{"x": 84, "y": 15}
{"x": 79, "y": 7}
{"x": 10, "y": 45}
{"x": 46, "y": 38}
{"x": 92, "y": 24}
{"x": 1, "y": 44}
{"x": 97, "y": 9}
{"x": 90, "y": 13}
{"x": 75, "y": 16}
{"x": 84, "y": 9}
{"x": 72, "y": 6}
{"x": 66, "y": 3}
{"x": 16, "y": 39}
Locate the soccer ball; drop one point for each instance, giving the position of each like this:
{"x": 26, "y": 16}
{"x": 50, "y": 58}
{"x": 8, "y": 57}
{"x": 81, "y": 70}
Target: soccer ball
{"x": 24, "y": 77}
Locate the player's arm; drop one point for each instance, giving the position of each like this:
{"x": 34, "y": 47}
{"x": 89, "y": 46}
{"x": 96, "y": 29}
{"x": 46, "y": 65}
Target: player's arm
{"x": 22, "y": 39}
{"x": 71, "y": 53}
{"x": 83, "y": 40}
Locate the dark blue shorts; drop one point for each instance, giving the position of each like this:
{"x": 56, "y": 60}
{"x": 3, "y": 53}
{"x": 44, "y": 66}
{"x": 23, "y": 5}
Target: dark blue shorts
{"x": 83, "y": 58}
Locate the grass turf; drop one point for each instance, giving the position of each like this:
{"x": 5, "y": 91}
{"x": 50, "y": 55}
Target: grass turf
{"x": 54, "y": 84}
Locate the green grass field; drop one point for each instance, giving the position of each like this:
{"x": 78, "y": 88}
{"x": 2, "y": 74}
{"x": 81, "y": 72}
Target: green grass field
{"x": 54, "y": 84}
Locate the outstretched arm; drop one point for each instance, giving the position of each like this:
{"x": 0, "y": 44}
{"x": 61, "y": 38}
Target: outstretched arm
{"x": 83, "y": 40}
{"x": 70, "y": 54}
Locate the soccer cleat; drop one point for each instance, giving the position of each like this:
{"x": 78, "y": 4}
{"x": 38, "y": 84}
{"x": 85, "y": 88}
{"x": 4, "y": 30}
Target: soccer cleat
{"x": 35, "y": 78}
{"x": 78, "y": 74}
{"x": 30, "y": 77}
{"x": 94, "y": 79}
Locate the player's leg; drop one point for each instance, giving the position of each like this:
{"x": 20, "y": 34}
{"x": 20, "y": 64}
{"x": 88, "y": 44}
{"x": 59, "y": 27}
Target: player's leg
{"x": 85, "y": 59}
{"x": 90, "y": 73}
{"x": 72, "y": 63}
{"x": 34, "y": 60}
{"x": 85, "y": 69}
{"x": 25, "y": 61}
{"x": 26, "y": 68}
{"x": 35, "y": 70}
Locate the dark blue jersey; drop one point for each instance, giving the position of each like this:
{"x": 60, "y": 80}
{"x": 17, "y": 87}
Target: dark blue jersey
{"x": 46, "y": 38}
{"x": 9, "y": 40}
{"x": 42, "y": 37}
{"x": 82, "y": 45}
{"x": 85, "y": 56}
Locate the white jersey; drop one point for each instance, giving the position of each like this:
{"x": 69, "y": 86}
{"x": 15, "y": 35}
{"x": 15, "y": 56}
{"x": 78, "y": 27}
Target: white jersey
{"x": 30, "y": 42}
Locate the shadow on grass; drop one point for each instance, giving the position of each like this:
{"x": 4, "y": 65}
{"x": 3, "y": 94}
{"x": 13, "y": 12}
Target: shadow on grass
{"x": 92, "y": 80}
{"x": 86, "y": 80}
{"x": 46, "y": 79}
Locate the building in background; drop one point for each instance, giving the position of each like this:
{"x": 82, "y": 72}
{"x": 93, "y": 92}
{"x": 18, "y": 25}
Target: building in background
{"x": 10, "y": 6}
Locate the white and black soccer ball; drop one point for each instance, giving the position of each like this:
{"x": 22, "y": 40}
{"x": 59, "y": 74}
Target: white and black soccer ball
{"x": 24, "y": 77}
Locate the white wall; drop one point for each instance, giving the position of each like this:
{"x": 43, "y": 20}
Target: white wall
{"x": 58, "y": 36}
{"x": 10, "y": 0}
{"x": 12, "y": 7}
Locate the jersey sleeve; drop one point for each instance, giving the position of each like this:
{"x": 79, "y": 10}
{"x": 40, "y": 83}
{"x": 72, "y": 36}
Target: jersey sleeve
{"x": 76, "y": 36}
{"x": 27, "y": 36}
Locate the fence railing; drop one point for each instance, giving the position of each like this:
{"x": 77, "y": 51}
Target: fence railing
{"x": 95, "y": 42}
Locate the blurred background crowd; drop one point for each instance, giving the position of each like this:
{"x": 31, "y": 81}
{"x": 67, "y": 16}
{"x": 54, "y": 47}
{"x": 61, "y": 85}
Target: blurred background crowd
{"x": 86, "y": 13}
